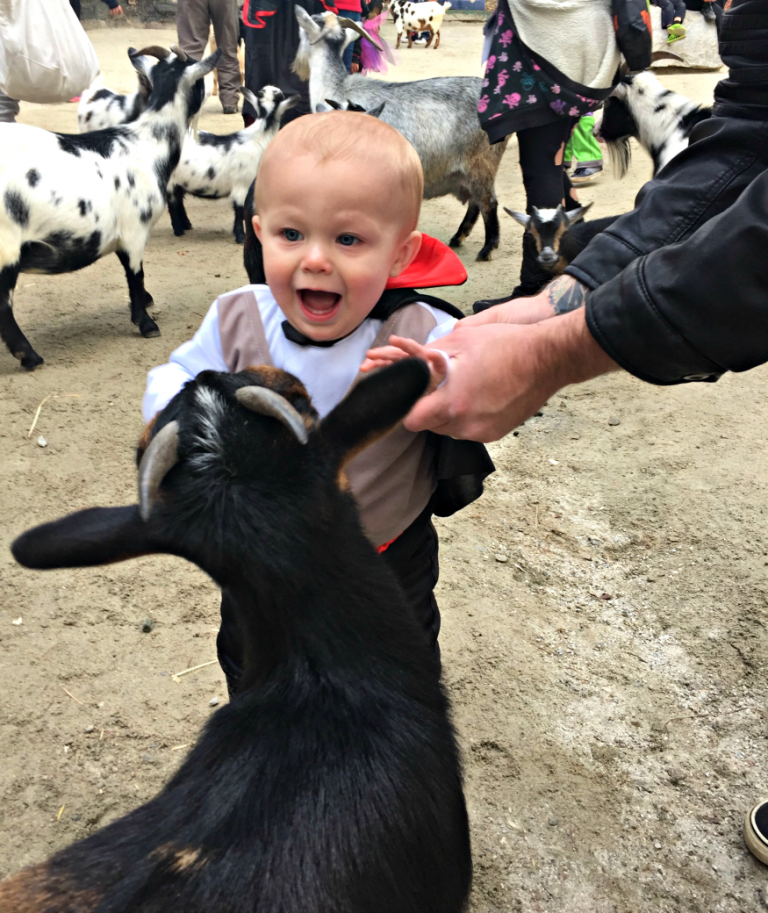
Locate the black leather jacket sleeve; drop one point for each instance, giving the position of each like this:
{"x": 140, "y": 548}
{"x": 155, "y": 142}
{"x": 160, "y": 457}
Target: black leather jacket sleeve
{"x": 725, "y": 155}
{"x": 694, "y": 309}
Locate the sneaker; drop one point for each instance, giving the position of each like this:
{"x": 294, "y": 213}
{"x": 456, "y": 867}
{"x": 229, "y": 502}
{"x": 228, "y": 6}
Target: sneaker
{"x": 583, "y": 175}
{"x": 420, "y": 41}
{"x": 708, "y": 12}
{"x": 676, "y": 32}
{"x": 568, "y": 165}
{"x": 756, "y": 830}
{"x": 229, "y": 109}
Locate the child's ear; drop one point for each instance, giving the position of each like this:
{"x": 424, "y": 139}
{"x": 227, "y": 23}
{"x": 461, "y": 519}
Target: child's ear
{"x": 407, "y": 254}
{"x": 373, "y": 407}
{"x": 257, "y": 227}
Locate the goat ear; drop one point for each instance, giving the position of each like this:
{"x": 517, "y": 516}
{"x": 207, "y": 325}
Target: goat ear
{"x": 251, "y": 99}
{"x": 576, "y": 215}
{"x": 143, "y": 66}
{"x": 203, "y": 68}
{"x": 100, "y": 535}
{"x": 286, "y": 104}
{"x": 522, "y": 217}
{"x": 307, "y": 23}
{"x": 373, "y": 407}
{"x": 376, "y": 112}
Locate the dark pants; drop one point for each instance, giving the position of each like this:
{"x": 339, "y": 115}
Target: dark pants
{"x": 412, "y": 557}
{"x": 75, "y": 4}
{"x": 193, "y": 21}
{"x": 671, "y": 10}
{"x": 546, "y": 185}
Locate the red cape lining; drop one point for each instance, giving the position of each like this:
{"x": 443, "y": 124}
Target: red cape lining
{"x": 435, "y": 264}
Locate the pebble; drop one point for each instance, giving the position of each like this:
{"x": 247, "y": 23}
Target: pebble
{"x": 502, "y": 559}
{"x": 656, "y": 845}
{"x": 213, "y": 702}
{"x": 676, "y": 775}
{"x": 613, "y": 420}
{"x": 88, "y": 729}
{"x": 41, "y": 442}
{"x": 149, "y": 758}
{"x": 553, "y": 821}
{"x": 17, "y": 621}
{"x": 147, "y": 625}
{"x": 553, "y": 462}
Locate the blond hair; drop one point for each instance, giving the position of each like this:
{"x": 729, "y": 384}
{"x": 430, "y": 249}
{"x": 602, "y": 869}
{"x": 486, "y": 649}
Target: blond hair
{"x": 378, "y": 149}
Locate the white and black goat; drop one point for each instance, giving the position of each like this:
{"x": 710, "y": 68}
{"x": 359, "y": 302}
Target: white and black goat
{"x": 659, "y": 119}
{"x": 437, "y": 116}
{"x": 101, "y": 107}
{"x": 332, "y": 781}
{"x": 413, "y": 18}
{"x": 68, "y": 200}
{"x": 214, "y": 167}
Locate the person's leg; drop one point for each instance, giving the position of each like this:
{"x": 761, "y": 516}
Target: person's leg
{"x": 413, "y": 557}
{"x": 223, "y": 14}
{"x": 347, "y": 58}
{"x": 667, "y": 13}
{"x": 541, "y": 160}
{"x": 9, "y": 109}
{"x": 193, "y": 27}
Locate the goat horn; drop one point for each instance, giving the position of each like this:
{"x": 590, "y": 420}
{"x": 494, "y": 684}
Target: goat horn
{"x": 266, "y": 402}
{"x": 356, "y": 27}
{"x": 179, "y": 53}
{"x": 153, "y": 51}
{"x": 158, "y": 460}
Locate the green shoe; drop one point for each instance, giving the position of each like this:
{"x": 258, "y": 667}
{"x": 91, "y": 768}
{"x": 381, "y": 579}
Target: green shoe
{"x": 675, "y": 32}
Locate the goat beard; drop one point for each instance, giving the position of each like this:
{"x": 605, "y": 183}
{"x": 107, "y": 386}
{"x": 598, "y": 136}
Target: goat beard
{"x": 300, "y": 65}
{"x": 620, "y": 152}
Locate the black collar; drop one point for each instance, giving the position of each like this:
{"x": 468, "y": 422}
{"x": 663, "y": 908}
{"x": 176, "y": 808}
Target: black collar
{"x": 391, "y": 301}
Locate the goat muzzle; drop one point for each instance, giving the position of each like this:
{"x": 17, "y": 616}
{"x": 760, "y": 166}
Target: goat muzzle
{"x": 356, "y": 27}
{"x": 158, "y": 460}
{"x": 263, "y": 401}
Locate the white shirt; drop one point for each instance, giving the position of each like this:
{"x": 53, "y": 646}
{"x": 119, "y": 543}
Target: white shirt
{"x": 326, "y": 371}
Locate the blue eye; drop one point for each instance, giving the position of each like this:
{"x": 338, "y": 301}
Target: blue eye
{"x": 347, "y": 240}
{"x": 292, "y": 234}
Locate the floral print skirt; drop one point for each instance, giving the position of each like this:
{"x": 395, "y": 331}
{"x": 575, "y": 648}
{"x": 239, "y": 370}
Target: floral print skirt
{"x": 521, "y": 89}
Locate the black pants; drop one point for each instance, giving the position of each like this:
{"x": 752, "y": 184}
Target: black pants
{"x": 670, "y": 10}
{"x": 75, "y": 4}
{"x": 546, "y": 185}
{"x": 413, "y": 558}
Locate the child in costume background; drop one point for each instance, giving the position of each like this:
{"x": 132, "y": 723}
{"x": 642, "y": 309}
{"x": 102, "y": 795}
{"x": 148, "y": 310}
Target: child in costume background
{"x": 341, "y": 266}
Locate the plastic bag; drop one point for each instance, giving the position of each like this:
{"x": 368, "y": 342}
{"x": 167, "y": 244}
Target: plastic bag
{"x": 45, "y": 55}
{"x": 634, "y": 36}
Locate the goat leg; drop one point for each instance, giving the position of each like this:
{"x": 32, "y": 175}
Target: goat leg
{"x": 179, "y": 219}
{"x": 237, "y": 229}
{"x": 431, "y": 37}
{"x": 490, "y": 210}
{"x": 399, "y": 36}
{"x": 140, "y": 297}
{"x": 467, "y": 224}
{"x": 17, "y": 342}
{"x": 437, "y": 39}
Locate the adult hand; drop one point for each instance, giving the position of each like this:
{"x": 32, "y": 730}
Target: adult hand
{"x": 501, "y": 374}
{"x": 117, "y": 11}
{"x": 562, "y": 295}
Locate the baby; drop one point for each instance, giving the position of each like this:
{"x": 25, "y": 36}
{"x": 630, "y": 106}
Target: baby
{"x": 339, "y": 261}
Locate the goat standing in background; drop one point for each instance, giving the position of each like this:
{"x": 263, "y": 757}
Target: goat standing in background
{"x": 660, "y": 120}
{"x": 72, "y": 199}
{"x": 420, "y": 17}
{"x": 216, "y": 166}
{"x": 437, "y": 116}
{"x": 332, "y": 782}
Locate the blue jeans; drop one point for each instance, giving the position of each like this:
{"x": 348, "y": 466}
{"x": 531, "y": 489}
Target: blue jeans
{"x": 347, "y": 56}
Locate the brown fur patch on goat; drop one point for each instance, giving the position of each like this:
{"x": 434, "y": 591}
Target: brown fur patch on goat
{"x": 36, "y": 890}
{"x": 536, "y": 236}
{"x": 146, "y": 437}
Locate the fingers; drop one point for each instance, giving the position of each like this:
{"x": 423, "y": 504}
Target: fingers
{"x": 517, "y": 311}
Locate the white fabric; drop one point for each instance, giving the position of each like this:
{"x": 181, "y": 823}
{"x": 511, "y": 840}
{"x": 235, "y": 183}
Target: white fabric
{"x": 576, "y": 36}
{"x": 45, "y": 55}
{"x": 327, "y": 372}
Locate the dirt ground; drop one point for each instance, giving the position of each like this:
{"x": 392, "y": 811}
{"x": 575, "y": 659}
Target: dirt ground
{"x": 604, "y": 605}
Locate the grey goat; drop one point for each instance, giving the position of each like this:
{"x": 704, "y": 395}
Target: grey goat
{"x": 437, "y": 116}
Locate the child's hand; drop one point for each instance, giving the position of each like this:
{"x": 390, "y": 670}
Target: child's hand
{"x": 400, "y": 348}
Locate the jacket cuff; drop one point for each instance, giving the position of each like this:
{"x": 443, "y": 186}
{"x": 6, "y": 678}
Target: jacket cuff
{"x": 605, "y": 257}
{"x": 625, "y": 322}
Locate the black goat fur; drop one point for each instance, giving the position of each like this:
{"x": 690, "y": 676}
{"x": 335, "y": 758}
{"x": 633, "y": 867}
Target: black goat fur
{"x": 332, "y": 782}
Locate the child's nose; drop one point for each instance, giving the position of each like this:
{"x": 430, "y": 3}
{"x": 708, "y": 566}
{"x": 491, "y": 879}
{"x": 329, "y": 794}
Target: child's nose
{"x": 316, "y": 260}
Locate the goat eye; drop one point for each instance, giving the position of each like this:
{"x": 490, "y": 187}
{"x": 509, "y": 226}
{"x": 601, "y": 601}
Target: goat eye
{"x": 347, "y": 240}
{"x": 291, "y": 234}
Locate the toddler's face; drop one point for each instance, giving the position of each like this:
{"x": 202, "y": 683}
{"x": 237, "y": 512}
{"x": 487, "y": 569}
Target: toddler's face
{"x": 329, "y": 247}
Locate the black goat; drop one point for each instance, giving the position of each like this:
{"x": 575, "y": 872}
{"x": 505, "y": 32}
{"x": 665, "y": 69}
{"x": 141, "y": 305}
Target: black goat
{"x": 332, "y": 782}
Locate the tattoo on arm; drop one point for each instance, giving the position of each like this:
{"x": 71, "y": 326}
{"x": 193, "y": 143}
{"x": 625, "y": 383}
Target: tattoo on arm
{"x": 566, "y": 294}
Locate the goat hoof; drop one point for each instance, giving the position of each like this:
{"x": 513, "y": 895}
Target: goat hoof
{"x": 484, "y": 255}
{"x": 239, "y": 237}
{"x": 30, "y": 361}
{"x": 180, "y": 231}
{"x": 148, "y": 328}
{"x": 456, "y": 241}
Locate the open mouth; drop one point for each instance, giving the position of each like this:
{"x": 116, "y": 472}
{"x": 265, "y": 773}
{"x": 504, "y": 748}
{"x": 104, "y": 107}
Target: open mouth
{"x": 318, "y": 306}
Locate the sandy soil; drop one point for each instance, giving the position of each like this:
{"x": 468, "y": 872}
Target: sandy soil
{"x": 604, "y": 605}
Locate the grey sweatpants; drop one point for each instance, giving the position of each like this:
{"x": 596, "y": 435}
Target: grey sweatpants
{"x": 192, "y": 24}
{"x": 9, "y": 108}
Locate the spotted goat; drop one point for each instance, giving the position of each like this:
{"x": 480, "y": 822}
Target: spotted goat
{"x": 437, "y": 116}
{"x": 214, "y": 167}
{"x": 332, "y": 781}
{"x": 100, "y": 107}
{"x": 419, "y": 17}
{"x": 641, "y": 108}
{"x": 68, "y": 200}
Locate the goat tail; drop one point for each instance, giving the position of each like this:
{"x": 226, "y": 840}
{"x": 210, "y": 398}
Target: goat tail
{"x": 620, "y": 152}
